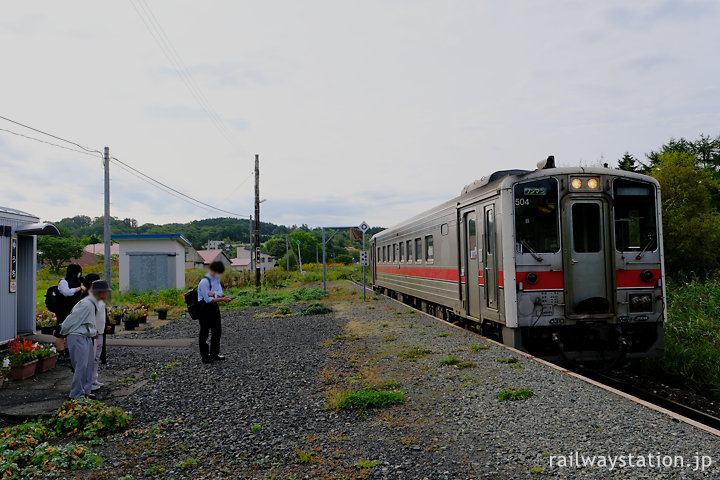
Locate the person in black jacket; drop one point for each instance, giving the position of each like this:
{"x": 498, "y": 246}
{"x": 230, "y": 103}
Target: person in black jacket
{"x": 71, "y": 291}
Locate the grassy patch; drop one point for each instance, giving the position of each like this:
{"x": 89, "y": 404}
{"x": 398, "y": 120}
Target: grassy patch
{"x": 256, "y": 428}
{"x": 442, "y": 334}
{"x": 304, "y": 456}
{"x": 451, "y": 360}
{"x": 369, "y": 463}
{"x": 188, "y": 463}
{"x": 692, "y": 338}
{"x": 537, "y": 470}
{"x": 508, "y": 360}
{"x": 514, "y": 395}
{"x": 414, "y": 353}
{"x": 479, "y": 348}
{"x": 390, "y": 339}
{"x": 365, "y": 399}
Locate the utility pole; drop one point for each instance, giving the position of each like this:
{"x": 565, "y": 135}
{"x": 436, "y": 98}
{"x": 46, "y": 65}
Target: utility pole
{"x": 106, "y": 231}
{"x": 257, "y": 220}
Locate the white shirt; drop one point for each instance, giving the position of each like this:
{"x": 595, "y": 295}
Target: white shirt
{"x": 65, "y": 289}
{"x": 100, "y": 317}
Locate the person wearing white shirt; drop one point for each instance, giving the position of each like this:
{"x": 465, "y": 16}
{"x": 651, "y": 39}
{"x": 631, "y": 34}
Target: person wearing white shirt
{"x": 210, "y": 294}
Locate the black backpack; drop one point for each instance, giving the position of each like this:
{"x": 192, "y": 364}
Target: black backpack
{"x": 194, "y": 306}
{"x": 53, "y": 298}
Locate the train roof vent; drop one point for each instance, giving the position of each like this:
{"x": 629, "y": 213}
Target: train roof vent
{"x": 492, "y": 178}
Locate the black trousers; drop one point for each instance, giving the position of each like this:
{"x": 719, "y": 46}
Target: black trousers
{"x": 210, "y": 324}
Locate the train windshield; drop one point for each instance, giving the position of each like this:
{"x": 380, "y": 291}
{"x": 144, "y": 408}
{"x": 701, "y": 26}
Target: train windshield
{"x": 536, "y": 216}
{"x": 635, "y": 216}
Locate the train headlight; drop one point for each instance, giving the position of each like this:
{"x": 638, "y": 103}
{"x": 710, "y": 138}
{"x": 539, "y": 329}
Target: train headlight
{"x": 576, "y": 183}
{"x": 592, "y": 183}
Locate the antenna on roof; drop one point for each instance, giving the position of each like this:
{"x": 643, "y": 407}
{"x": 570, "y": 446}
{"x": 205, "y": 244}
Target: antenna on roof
{"x": 549, "y": 162}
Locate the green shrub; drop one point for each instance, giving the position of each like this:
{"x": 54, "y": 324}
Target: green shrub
{"x": 451, "y": 360}
{"x": 283, "y": 310}
{"x": 508, "y": 360}
{"x": 344, "y": 259}
{"x": 316, "y": 308}
{"x": 88, "y": 419}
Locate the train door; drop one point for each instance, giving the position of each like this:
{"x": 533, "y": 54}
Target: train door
{"x": 490, "y": 274}
{"x": 472, "y": 264}
{"x": 585, "y": 252}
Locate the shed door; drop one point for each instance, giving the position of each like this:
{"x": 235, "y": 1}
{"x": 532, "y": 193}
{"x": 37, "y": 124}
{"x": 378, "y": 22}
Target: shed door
{"x": 150, "y": 271}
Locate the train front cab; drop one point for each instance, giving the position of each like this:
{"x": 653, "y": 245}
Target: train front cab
{"x": 588, "y": 267}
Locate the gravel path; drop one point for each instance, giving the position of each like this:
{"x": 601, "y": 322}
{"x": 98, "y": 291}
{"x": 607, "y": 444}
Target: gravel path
{"x": 280, "y": 371}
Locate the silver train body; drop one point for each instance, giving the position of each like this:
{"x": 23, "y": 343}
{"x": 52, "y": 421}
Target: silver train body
{"x": 564, "y": 263}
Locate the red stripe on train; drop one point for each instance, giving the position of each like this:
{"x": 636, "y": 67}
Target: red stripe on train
{"x": 632, "y": 279}
{"x": 422, "y": 272}
{"x": 545, "y": 281}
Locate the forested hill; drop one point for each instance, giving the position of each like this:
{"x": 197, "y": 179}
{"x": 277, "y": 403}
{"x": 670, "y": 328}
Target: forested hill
{"x": 197, "y": 231}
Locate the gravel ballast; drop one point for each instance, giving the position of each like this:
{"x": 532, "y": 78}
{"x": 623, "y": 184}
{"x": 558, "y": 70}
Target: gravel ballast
{"x": 263, "y": 412}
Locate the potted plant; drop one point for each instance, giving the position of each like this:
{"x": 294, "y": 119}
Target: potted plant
{"x": 46, "y": 321}
{"x": 23, "y": 358}
{"x": 116, "y": 314}
{"x": 47, "y": 358}
{"x": 162, "y": 310}
{"x": 142, "y": 314}
{"x": 131, "y": 320}
{"x": 4, "y": 370}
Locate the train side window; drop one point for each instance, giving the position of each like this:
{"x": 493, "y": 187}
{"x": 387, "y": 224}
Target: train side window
{"x": 394, "y": 248}
{"x": 418, "y": 249}
{"x": 384, "y": 257}
{"x": 409, "y": 251}
{"x": 429, "y": 248}
{"x": 402, "y": 251}
{"x": 472, "y": 238}
{"x": 444, "y": 229}
{"x": 379, "y": 258}
{"x": 490, "y": 231}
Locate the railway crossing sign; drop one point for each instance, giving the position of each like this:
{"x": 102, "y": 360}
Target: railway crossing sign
{"x": 364, "y": 227}
{"x": 364, "y": 258}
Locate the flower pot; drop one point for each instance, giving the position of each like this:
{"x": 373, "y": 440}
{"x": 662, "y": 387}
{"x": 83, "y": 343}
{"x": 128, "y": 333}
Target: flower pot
{"x": 47, "y": 330}
{"x": 26, "y": 370}
{"x": 162, "y": 314}
{"x": 110, "y": 329}
{"x": 47, "y": 363}
{"x": 142, "y": 319}
{"x": 131, "y": 324}
{"x": 118, "y": 319}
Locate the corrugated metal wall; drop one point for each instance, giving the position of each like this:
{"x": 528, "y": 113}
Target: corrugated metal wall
{"x": 8, "y": 303}
{"x": 27, "y": 277}
{"x": 17, "y": 308}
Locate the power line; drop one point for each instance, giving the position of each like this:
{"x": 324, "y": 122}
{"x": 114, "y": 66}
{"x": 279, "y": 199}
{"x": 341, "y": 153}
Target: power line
{"x": 48, "y": 143}
{"x": 168, "y": 50}
{"x": 51, "y": 135}
{"x": 158, "y": 182}
{"x": 130, "y": 169}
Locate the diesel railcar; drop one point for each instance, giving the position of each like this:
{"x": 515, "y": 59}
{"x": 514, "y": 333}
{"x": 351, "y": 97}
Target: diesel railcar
{"x": 564, "y": 263}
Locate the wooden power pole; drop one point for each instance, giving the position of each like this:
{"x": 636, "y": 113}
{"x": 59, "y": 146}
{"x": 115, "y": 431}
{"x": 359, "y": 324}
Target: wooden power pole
{"x": 106, "y": 226}
{"x": 257, "y": 220}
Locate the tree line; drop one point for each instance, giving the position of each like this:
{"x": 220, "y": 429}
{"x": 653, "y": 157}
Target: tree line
{"x": 689, "y": 175}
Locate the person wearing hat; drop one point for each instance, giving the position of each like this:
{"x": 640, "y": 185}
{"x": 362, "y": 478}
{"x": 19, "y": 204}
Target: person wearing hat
{"x": 80, "y": 328}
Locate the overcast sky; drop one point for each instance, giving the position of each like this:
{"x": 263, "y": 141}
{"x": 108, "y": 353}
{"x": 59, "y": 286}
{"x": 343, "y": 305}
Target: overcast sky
{"x": 360, "y": 110}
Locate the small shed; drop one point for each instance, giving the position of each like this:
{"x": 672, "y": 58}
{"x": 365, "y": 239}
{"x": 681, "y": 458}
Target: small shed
{"x": 18, "y": 277}
{"x": 152, "y": 261}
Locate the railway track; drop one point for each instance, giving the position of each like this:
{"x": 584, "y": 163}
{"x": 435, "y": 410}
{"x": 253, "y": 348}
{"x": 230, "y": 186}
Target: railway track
{"x": 681, "y": 411}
